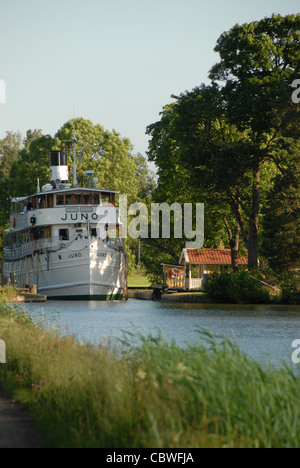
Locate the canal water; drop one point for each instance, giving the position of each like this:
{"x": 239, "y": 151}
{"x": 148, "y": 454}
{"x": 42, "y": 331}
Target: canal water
{"x": 265, "y": 333}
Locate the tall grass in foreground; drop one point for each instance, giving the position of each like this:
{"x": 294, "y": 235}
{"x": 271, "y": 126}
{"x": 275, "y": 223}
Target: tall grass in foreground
{"x": 156, "y": 395}
{"x": 7, "y": 294}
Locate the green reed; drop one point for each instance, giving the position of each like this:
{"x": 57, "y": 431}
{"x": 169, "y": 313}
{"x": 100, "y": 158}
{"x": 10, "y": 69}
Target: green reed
{"x": 153, "y": 394}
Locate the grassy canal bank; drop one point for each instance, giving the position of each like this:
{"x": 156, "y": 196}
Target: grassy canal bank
{"x": 11, "y": 295}
{"x": 156, "y": 395}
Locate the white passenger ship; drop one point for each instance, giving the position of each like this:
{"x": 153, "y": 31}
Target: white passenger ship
{"x": 67, "y": 241}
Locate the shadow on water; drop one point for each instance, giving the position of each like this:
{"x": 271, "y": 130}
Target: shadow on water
{"x": 265, "y": 332}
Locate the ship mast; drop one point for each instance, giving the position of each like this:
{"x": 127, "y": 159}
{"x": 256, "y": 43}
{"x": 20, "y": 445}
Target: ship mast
{"x": 74, "y": 140}
{"x": 75, "y": 159}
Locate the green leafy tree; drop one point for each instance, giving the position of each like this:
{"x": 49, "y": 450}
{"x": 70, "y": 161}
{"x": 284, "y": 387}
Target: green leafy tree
{"x": 231, "y": 138}
{"x": 186, "y": 145}
{"x": 259, "y": 62}
{"x": 10, "y": 147}
{"x": 107, "y": 153}
{"x": 145, "y": 178}
{"x": 281, "y": 222}
{"x": 32, "y": 164}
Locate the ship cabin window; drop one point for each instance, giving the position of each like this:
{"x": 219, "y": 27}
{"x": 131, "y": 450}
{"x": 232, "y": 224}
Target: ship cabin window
{"x": 49, "y": 201}
{"x": 93, "y": 232}
{"x": 96, "y": 199}
{"x": 47, "y": 232}
{"x": 81, "y": 199}
{"x": 10, "y": 240}
{"x": 19, "y": 207}
{"x": 86, "y": 199}
{"x": 78, "y": 200}
{"x": 43, "y": 232}
{"x": 105, "y": 200}
{"x": 42, "y": 202}
{"x": 69, "y": 199}
{"x": 63, "y": 234}
{"x": 60, "y": 200}
{"x": 112, "y": 199}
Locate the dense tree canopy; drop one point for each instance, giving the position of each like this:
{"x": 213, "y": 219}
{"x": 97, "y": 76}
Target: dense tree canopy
{"x": 258, "y": 64}
{"x": 10, "y": 147}
{"x": 281, "y": 222}
{"x": 233, "y": 136}
{"x": 232, "y": 145}
{"x": 111, "y": 156}
{"x": 107, "y": 153}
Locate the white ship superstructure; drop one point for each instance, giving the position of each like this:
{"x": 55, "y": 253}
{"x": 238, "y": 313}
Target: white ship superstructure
{"x": 67, "y": 241}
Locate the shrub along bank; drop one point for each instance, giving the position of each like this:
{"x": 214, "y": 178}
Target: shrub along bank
{"x": 236, "y": 288}
{"x": 152, "y": 395}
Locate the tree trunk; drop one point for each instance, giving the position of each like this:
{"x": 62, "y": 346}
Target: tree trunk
{"x": 234, "y": 246}
{"x": 252, "y": 247}
{"x": 234, "y": 241}
{"x": 254, "y": 221}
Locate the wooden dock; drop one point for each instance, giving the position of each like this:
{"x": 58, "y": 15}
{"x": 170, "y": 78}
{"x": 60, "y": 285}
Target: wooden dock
{"x": 28, "y": 295}
{"x": 29, "y": 298}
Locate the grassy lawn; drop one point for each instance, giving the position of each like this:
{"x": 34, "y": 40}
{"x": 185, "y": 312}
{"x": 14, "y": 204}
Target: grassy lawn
{"x": 138, "y": 281}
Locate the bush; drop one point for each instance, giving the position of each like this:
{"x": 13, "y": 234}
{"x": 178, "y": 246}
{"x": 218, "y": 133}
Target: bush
{"x": 219, "y": 286}
{"x": 7, "y": 294}
{"x": 236, "y": 288}
{"x": 289, "y": 291}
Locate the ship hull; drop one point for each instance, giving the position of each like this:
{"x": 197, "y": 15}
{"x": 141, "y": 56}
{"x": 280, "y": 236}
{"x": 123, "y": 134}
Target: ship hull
{"x": 86, "y": 270}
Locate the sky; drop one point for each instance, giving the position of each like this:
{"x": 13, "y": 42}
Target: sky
{"x": 114, "y": 62}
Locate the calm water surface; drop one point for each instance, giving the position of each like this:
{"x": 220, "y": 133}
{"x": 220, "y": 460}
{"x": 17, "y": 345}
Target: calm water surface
{"x": 264, "y": 332}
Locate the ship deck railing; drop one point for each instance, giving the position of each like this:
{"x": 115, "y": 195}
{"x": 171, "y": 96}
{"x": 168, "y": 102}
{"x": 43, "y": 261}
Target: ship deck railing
{"x": 48, "y": 245}
{"x": 17, "y": 252}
